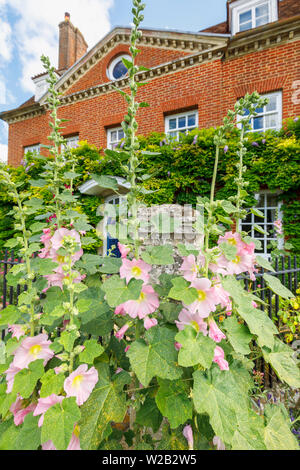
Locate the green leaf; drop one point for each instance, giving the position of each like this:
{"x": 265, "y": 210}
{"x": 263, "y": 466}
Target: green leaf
{"x": 181, "y": 290}
{"x": 159, "y": 255}
{"x": 29, "y": 437}
{"x": 92, "y": 350}
{"x": 98, "y": 320}
{"x": 12, "y": 243}
{"x": 223, "y": 398}
{"x": 149, "y": 415}
{"x": 186, "y": 250}
{"x": 277, "y": 432}
{"x": 157, "y": 356}
{"x": 260, "y": 230}
{"x": 257, "y": 212}
{"x": 26, "y": 380}
{"x": 196, "y": 348}
{"x": 8, "y": 435}
{"x": 59, "y": 422}
{"x": 118, "y": 292}
{"x": 264, "y": 263}
{"x": 43, "y": 266}
{"x": 238, "y": 335}
{"x": 110, "y": 265}
{"x": 228, "y": 250}
{"x": 67, "y": 339}
{"x": 281, "y": 360}
{"x": 228, "y": 207}
{"x": 277, "y": 287}
{"x": 105, "y": 181}
{"x": 173, "y": 401}
{"x": 107, "y": 403}
{"x": 52, "y": 383}
{"x": 9, "y": 316}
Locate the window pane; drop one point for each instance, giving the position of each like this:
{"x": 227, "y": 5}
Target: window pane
{"x": 258, "y": 123}
{"x": 272, "y": 200}
{"x": 245, "y": 26}
{"x": 119, "y": 70}
{"x": 271, "y": 121}
{"x": 259, "y": 110}
{"x": 272, "y": 105}
{"x": 172, "y": 124}
{"x": 262, "y": 10}
{"x": 113, "y": 136}
{"x": 173, "y": 134}
{"x": 246, "y": 17}
{"x": 262, "y": 20}
{"x": 121, "y": 135}
{"x": 192, "y": 120}
{"x": 182, "y": 122}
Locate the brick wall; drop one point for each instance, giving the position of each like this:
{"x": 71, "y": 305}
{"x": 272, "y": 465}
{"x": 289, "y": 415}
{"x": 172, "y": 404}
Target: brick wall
{"x": 212, "y": 87}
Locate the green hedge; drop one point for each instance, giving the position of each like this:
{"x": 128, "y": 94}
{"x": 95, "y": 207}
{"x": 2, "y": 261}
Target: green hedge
{"x": 183, "y": 171}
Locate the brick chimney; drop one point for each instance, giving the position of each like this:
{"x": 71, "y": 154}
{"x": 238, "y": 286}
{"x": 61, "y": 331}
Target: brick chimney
{"x": 72, "y": 45}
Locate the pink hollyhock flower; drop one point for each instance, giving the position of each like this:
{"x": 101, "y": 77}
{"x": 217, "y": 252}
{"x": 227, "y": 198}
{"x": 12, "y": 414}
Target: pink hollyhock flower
{"x": 32, "y": 349}
{"x": 44, "y": 404}
{"x": 189, "y": 268}
{"x": 121, "y": 333}
{"x": 219, "y": 359}
{"x": 243, "y": 262}
{"x": 218, "y": 443}
{"x": 188, "y": 434}
{"x": 119, "y": 370}
{"x": 10, "y": 376}
{"x": 48, "y": 446}
{"x": 145, "y": 305}
{"x": 149, "y": 323}
{"x": 278, "y": 227}
{"x": 81, "y": 383}
{"x": 206, "y": 301}
{"x": 17, "y": 330}
{"x": 126, "y": 349}
{"x": 120, "y": 310}
{"x": 254, "y": 304}
{"x": 47, "y": 243}
{"x": 233, "y": 239}
{"x": 187, "y": 318}
{"x": 74, "y": 442}
{"x": 223, "y": 296}
{"x": 20, "y": 412}
{"x": 123, "y": 249}
{"x": 178, "y": 346}
{"x": 215, "y": 333}
{"x": 137, "y": 269}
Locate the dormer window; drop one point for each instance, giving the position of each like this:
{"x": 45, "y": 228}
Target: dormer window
{"x": 41, "y": 85}
{"x": 250, "y": 14}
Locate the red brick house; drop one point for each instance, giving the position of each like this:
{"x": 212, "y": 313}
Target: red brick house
{"x": 193, "y": 79}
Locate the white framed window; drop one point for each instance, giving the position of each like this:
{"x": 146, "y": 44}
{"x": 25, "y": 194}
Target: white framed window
{"x": 249, "y": 14}
{"x": 181, "y": 123}
{"x": 71, "y": 142}
{"x": 114, "y": 137}
{"x": 270, "y": 206}
{"x": 32, "y": 148}
{"x": 117, "y": 69}
{"x": 270, "y": 116}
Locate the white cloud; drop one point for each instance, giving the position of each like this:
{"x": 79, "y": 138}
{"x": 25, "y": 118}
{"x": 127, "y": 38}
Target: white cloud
{"x": 3, "y": 153}
{"x": 36, "y": 29}
{"x": 5, "y": 40}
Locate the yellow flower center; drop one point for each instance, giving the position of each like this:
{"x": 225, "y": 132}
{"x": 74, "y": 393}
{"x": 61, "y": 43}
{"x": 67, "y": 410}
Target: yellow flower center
{"x": 60, "y": 259}
{"x": 201, "y": 295}
{"x": 232, "y": 241}
{"x": 77, "y": 381}
{"x": 136, "y": 271}
{"x": 34, "y": 350}
{"x": 236, "y": 260}
{"x": 195, "y": 325}
{"x": 76, "y": 430}
{"x": 142, "y": 297}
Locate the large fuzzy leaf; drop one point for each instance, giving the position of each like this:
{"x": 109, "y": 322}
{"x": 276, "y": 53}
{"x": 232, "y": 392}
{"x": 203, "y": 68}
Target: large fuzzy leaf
{"x": 196, "y": 348}
{"x": 173, "y": 401}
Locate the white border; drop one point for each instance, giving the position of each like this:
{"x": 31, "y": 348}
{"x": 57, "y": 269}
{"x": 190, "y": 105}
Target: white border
{"x": 112, "y": 65}
{"x": 186, "y": 114}
{"x": 236, "y": 8}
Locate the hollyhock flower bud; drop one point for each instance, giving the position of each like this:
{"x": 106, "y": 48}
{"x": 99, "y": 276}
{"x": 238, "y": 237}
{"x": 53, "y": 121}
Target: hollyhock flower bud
{"x": 178, "y": 346}
{"x": 149, "y": 323}
{"x": 17, "y": 330}
{"x": 44, "y": 404}
{"x": 219, "y": 359}
{"x": 32, "y": 349}
{"x": 137, "y": 269}
{"x": 81, "y": 383}
{"x": 147, "y": 303}
{"x": 19, "y": 411}
{"x": 121, "y": 333}
{"x": 215, "y": 333}
{"x": 218, "y": 443}
{"x": 126, "y": 349}
{"x": 188, "y": 434}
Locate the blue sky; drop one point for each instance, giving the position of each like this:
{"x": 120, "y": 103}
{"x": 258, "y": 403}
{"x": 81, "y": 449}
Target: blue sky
{"x": 29, "y": 28}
